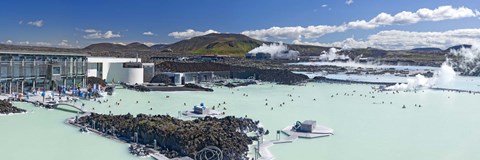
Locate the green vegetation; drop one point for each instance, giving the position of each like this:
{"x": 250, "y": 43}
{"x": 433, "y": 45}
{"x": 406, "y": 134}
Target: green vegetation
{"x": 237, "y": 49}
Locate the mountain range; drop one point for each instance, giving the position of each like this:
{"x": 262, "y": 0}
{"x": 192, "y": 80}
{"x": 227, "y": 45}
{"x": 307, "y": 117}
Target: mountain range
{"x": 210, "y": 44}
{"x": 226, "y": 44}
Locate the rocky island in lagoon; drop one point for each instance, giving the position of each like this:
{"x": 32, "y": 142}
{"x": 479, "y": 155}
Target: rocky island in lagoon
{"x": 173, "y": 137}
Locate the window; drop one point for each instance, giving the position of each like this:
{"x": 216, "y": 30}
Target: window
{"x": 56, "y": 70}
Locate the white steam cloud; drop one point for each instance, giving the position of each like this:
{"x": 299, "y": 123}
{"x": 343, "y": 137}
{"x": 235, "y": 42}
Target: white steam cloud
{"x": 332, "y": 55}
{"x": 276, "y": 50}
{"x": 469, "y": 62}
{"x": 444, "y": 75}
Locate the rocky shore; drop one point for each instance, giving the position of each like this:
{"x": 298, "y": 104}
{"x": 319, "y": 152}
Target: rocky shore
{"x": 7, "y": 108}
{"x": 233, "y": 85}
{"x": 329, "y": 80}
{"x": 161, "y": 78}
{"x": 96, "y": 80}
{"x": 197, "y": 87}
{"x": 175, "y": 137}
{"x": 162, "y": 87}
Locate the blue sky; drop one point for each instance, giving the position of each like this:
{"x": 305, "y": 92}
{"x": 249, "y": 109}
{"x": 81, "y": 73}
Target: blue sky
{"x": 51, "y": 22}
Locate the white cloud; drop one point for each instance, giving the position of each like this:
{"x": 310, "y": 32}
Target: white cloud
{"x": 120, "y": 43}
{"x": 99, "y": 35}
{"x": 294, "y": 32}
{"x": 395, "y": 39}
{"x": 148, "y": 33}
{"x": 148, "y": 43}
{"x": 324, "y": 5}
{"x": 46, "y": 44}
{"x": 20, "y": 22}
{"x": 361, "y": 24}
{"x": 9, "y": 42}
{"x": 406, "y": 17}
{"x": 37, "y": 23}
{"x": 64, "y": 43}
{"x": 24, "y": 43}
{"x": 189, "y": 33}
{"x": 90, "y": 31}
{"x": 348, "y": 2}
{"x": 382, "y": 19}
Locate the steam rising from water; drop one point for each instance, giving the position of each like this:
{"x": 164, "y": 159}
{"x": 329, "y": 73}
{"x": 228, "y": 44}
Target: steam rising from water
{"x": 276, "y": 50}
{"x": 444, "y": 75}
{"x": 332, "y": 55}
{"x": 469, "y": 62}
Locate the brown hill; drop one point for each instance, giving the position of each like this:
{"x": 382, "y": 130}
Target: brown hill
{"x": 221, "y": 44}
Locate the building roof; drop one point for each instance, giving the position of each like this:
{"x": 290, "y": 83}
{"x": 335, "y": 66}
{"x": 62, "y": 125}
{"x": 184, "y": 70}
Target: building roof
{"x": 112, "y": 60}
{"x": 44, "y": 53}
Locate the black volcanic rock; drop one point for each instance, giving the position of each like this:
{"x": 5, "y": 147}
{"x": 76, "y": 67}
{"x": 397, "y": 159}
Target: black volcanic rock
{"x": 319, "y": 78}
{"x": 178, "y": 138}
{"x": 161, "y": 78}
{"x": 169, "y": 66}
{"x": 96, "y": 80}
{"x": 231, "y": 85}
{"x": 8, "y": 108}
{"x": 194, "y": 86}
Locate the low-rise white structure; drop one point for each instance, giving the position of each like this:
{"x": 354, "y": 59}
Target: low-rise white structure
{"x": 181, "y": 78}
{"x": 127, "y": 70}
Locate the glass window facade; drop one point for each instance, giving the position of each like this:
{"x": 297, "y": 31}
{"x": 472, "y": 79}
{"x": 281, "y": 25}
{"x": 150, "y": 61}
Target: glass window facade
{"x": 19, "y": 67}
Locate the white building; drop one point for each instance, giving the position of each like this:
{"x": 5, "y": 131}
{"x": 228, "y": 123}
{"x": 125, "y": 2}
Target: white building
{"x": 181, "y": 78}
{"x": 127, "y": 70}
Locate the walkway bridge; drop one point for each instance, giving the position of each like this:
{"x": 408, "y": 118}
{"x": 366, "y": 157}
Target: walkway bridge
{"x": 79, "y": 108}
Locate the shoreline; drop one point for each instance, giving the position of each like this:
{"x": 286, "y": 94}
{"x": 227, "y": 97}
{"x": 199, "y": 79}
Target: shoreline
{"x": 344, "y": 81}
{"x": 152, "y": 153}
{"x": 12, "y": 114}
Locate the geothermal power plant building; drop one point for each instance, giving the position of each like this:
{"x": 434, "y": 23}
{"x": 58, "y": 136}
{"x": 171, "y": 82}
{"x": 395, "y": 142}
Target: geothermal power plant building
{"x": 23, "y": 70}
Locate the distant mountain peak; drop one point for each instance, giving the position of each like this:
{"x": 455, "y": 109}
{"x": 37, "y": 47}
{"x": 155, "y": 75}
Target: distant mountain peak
{"x": 427, "y": 49}
{"x": 117, "y": 46}
{"x": 457, "y": 47}
{"x": 137, "y": 45}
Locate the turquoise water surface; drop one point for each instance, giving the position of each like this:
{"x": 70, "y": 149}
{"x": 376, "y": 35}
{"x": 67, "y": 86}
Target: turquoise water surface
{"x": 445, "y": 127}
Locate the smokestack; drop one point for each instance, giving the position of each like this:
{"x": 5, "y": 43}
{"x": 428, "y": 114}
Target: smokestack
{"x": 137, "y": 58}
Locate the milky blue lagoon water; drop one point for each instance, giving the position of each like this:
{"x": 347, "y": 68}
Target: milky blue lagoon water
{"x": 352, "y": 64}
{"x": 445, "y": 127}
